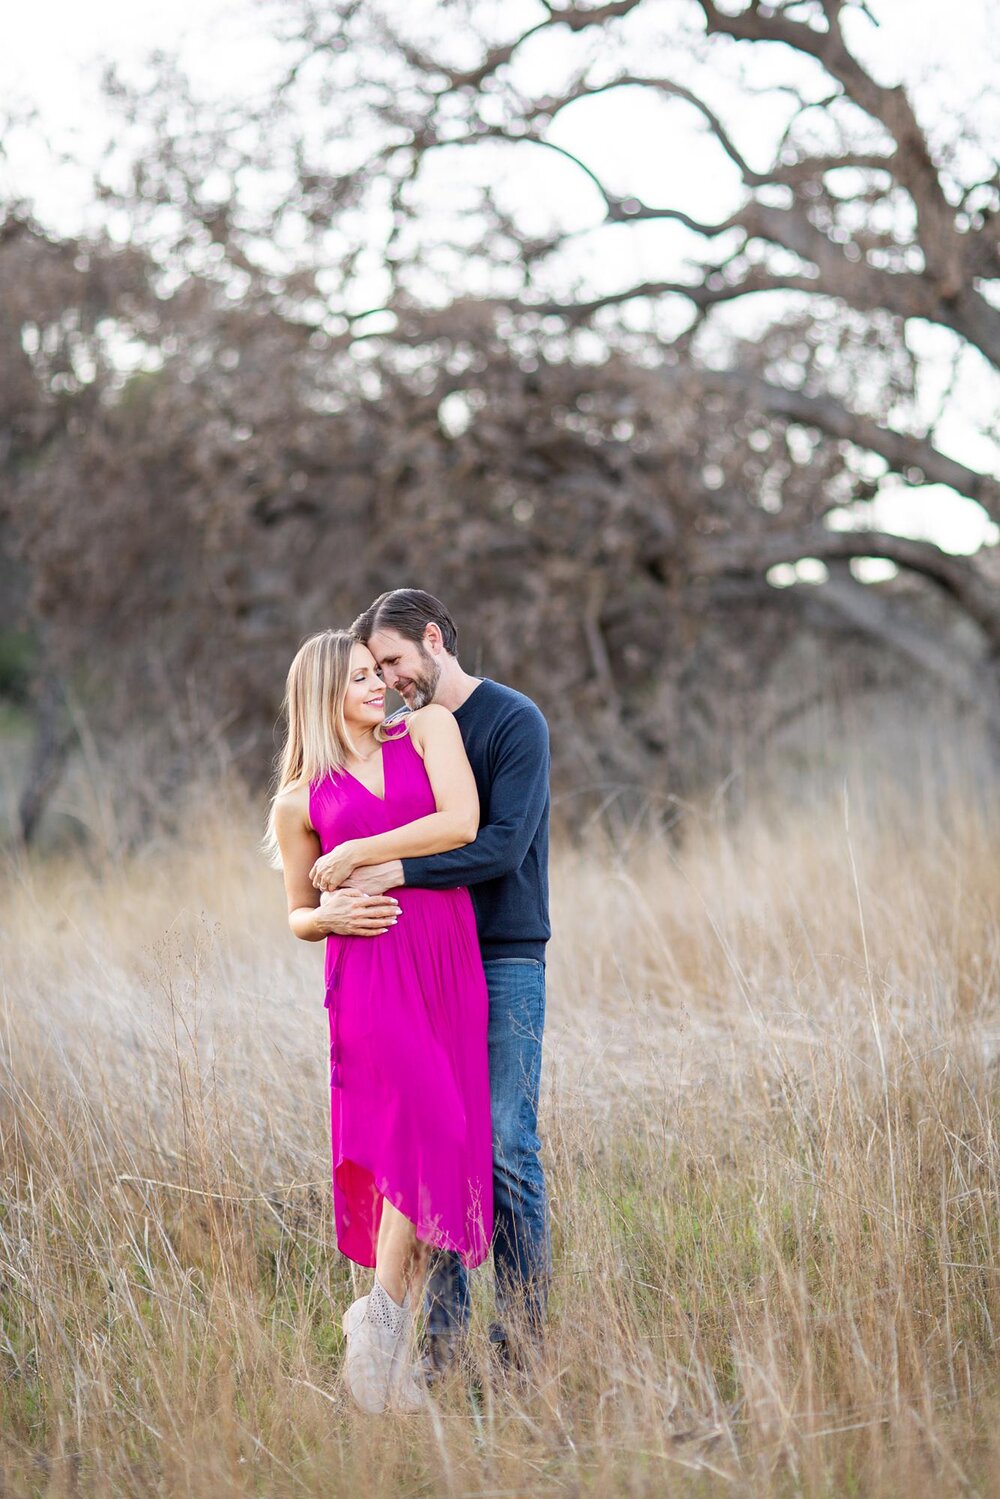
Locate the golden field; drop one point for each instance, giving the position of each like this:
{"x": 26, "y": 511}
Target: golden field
{"x": 770, "y": 1093}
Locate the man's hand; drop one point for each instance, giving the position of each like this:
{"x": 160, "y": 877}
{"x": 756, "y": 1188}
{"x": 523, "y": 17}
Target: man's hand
{"x": 352, "y": 913}
{"x": 376, "y": 879}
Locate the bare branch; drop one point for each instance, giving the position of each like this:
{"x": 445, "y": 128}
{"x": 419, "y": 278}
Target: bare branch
{"x": 959, "y": 577}
{"x": 702, "y": 296}
{"x": 578, "y": 18}
{"x": 884, "y": 618}
{"x": 902, "y": 451}
{"x": 551, "y": 106}
{"x": 890, "y": 106}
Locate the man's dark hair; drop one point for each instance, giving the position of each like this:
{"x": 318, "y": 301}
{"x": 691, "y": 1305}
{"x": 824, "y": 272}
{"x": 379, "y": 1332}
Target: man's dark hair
{"x": 408, "y": 611}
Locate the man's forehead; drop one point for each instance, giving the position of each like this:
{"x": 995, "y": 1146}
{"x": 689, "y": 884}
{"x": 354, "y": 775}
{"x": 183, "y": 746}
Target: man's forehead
{"x": 383, "y": 643}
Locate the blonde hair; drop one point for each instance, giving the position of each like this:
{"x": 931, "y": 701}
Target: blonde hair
{"x": 317, "y": 739}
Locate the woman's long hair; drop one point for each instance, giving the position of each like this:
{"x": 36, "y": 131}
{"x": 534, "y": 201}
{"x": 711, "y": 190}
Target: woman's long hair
{"x": 317, "y": 740}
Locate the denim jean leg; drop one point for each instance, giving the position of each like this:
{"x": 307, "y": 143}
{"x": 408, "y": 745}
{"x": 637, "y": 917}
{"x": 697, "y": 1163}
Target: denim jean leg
{"x": 446, "y": 1295}
{"x": 522, "y": 1256}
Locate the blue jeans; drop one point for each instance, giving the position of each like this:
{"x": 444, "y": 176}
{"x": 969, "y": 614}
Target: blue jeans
{"x": 522, "y": 1254}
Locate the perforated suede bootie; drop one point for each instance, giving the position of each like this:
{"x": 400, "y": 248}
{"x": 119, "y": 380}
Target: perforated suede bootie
{"x": 377, "y": 1366}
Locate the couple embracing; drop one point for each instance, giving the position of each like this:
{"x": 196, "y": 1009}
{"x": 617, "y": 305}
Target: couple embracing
{"x": 417, "y": 846}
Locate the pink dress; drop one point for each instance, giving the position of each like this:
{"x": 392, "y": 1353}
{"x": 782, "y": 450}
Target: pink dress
{"x": 409, "y": 1082}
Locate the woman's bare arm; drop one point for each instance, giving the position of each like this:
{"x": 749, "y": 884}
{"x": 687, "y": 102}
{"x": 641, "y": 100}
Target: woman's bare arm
{"x": 436, "y": 737}
{"x": 299, "y": 846}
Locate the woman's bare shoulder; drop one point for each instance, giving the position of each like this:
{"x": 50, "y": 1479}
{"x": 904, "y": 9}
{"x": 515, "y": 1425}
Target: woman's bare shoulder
{"x": 431, "y": 719}
{"x": 429, "y": 713}
{"x": 291, "y": 806}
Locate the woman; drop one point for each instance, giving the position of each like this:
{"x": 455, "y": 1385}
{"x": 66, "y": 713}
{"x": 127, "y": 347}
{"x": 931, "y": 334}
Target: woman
{"x": 409, "y": 1087}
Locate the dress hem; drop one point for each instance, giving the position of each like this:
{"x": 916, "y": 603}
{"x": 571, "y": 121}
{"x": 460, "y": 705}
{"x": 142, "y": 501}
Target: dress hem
{"x": 426, "y": 1234}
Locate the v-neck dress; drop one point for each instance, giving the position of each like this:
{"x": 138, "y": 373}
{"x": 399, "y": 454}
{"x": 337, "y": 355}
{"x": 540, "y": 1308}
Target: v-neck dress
{"x": 409, "y": 1081}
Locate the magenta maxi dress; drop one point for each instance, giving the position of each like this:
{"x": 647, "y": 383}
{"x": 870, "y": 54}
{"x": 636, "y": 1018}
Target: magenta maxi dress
{"x": 409, "y": 1081}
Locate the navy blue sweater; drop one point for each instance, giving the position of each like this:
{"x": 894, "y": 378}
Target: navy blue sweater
{"x": 506, "y": 867}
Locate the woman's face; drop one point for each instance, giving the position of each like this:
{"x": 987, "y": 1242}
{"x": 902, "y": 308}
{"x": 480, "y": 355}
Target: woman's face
{"x": 364, "y": 701}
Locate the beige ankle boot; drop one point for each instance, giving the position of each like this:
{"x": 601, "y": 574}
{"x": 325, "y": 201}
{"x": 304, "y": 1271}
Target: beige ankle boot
{"x": 369, "y": 1358}
{"x": 378, "y": 1366}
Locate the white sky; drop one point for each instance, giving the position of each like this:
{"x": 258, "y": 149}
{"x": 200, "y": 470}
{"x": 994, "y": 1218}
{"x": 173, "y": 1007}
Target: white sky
{"x": 52, "y": 56}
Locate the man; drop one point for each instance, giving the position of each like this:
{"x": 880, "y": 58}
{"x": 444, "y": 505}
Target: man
{"x": 414, "y": 641}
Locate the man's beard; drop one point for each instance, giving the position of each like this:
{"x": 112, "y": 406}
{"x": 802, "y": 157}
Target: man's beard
{"x": 425, "y": 685}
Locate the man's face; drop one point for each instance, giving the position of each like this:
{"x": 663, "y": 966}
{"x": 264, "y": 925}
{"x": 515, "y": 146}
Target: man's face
{"x": 407, "y": 667}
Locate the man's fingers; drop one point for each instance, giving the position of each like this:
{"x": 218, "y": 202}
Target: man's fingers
{"x": 364, "y": 912}
{"x": 373, "y": 905}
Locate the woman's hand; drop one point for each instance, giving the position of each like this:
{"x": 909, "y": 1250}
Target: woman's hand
{"x": 334, "y": 868}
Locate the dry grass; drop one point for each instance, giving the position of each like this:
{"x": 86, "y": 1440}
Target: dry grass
{"x": 770, "y": 1090}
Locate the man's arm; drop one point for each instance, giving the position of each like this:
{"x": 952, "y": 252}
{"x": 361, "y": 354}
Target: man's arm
{"x": 517, "y": 799}
{"x": 437, "y": 739}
